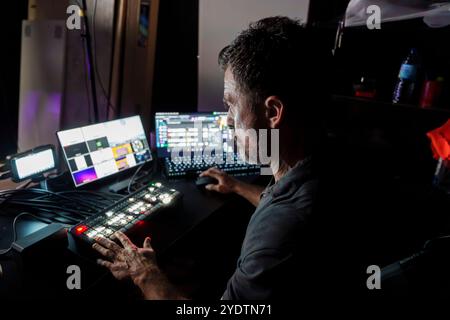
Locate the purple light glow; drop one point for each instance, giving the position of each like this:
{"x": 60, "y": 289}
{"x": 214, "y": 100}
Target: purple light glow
{"x": 54, "y": 105}
{"x": 31, "y": 106}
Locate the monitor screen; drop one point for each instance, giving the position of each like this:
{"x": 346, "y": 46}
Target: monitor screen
{"x": 191, "y": 131}
{"x": 101, "y": 150}
{"x": 33, "y": 163}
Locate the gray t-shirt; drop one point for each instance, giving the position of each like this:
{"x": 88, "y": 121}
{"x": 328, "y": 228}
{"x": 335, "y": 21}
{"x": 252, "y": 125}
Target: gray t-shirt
{"x": 275, "y": 242}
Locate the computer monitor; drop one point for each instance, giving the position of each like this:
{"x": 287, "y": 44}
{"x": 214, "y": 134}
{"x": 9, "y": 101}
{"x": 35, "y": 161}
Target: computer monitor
{"x": 97, "y": 151}
{"x": 191, "y": 132}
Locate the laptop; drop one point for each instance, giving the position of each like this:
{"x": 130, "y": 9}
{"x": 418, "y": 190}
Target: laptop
{"x": 190, "y": 143}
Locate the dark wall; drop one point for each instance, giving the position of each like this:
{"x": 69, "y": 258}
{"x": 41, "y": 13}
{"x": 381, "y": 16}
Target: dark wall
{"x": 325, "y": 11}
{"x": 11, "y": 25}
{"x": 175, "y": 84}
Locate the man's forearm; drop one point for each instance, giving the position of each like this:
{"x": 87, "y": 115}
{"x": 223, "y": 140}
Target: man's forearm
{"x": 159, "y": 288}
{"x": 249, "y": 191}
{"x": 162, "y": 292}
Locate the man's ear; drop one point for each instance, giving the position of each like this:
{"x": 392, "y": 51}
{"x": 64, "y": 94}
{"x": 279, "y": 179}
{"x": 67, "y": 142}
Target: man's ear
{"x": 274, "y": 111}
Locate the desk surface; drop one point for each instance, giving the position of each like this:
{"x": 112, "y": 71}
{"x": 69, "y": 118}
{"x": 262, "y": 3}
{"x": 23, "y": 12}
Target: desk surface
{"x": 196, "y": 205}
{"x": 8, "y": 184}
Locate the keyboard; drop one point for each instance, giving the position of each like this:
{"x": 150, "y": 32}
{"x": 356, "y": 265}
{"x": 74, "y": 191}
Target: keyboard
{"x": 184, "y": 167}
{"x": 127, "y": 212}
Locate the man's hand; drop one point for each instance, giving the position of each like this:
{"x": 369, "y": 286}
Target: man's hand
{"x": 228, "y": 184}
{"x": 138, "y": 264}
{"x": 225, "y": 183}
{"x": 117, "y": 264}
{"x": 128, "y": 261}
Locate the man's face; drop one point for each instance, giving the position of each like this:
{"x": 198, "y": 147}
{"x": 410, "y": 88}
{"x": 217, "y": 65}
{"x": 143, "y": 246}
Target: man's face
{"x": 242, "y": 117}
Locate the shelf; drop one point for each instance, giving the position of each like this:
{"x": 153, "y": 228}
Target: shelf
{"x": 384, "y": 104}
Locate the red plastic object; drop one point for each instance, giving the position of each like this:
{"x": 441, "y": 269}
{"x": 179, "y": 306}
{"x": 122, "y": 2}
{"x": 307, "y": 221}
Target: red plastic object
{"x": 440, "y": 141}
{"x": 431, "y": 93}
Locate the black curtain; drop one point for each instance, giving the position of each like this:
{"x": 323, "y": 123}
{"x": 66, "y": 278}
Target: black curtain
{"x": 175, "y": 84}
{"x": 11, "y": 26}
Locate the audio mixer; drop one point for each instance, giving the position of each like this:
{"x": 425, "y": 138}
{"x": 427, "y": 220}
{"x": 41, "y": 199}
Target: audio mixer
{"x": 127, "y": 212}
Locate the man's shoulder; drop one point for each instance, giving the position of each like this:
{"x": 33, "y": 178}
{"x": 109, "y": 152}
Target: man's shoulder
{"x": 280, "y": 223}
{"x": 284, "y": 209}
{"x": 295, "y": 198}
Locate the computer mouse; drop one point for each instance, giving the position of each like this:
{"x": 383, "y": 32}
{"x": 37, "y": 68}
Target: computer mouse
{"x": 202, "y": 182}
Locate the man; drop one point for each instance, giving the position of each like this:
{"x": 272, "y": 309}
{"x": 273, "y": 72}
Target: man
{"x": 274, "y": 79}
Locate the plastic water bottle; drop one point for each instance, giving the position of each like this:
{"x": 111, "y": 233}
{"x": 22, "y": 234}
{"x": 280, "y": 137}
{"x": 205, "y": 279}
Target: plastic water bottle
{"x": 407, "y": 79}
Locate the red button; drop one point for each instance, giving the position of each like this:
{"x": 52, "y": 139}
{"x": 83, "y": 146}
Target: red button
{"x": 81, "y": 229}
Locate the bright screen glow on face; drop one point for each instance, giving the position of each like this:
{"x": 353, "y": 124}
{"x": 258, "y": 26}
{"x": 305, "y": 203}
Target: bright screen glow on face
{"x": 35, "y": 163}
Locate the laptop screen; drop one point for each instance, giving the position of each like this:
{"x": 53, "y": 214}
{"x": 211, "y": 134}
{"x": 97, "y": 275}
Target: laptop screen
{"x": 101, "y": 150}
{"x": 190, "y": 132}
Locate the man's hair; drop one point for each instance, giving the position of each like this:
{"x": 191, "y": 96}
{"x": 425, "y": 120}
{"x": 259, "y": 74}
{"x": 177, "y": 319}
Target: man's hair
{"x": 281, "y": 57}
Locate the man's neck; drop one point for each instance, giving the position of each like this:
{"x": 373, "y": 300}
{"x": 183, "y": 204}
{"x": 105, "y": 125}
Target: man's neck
{"x": 287, "y": 160}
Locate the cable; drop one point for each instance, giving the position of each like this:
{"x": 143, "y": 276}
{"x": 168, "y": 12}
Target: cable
{"x": 90, "y": 64}
{"x": 54, "y": 208}
{"x": 47, "y": 203}
{"x": 100, "y": 81}
{"x": 48, "y": 206}
{"x": 105, "y": 195}
{"x": 38, "y": 202}
{"x": 3, "y": 252}
{"x": 24, "y": 185}
{"x": 86, "y": 79}
{"x": 98, "y": 203}
{"x": 51, "y": 206}
{"x": 5, "y": 175}
{"x": 105, "y": 200}
{"x": 49, "y": 215}
{"x": 56, "y": 195}
{"x": 82, "y": 214}
{"x": 148, "y": 173}
{"x": 134, "y": 177}
{"x": 427, "y": 244}
{"x": 44, "y": 185}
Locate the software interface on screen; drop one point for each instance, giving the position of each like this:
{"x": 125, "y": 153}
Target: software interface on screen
{"x": 104, "y": 149}
{"x": 193, "y": 132}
